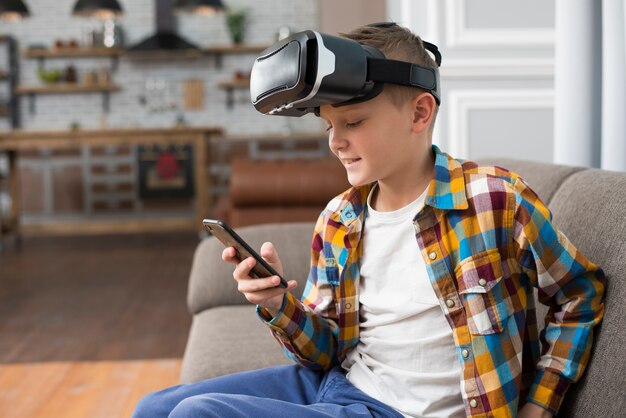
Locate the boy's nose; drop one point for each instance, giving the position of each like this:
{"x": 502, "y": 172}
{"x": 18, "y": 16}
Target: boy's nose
{"x": 336, "y": 141}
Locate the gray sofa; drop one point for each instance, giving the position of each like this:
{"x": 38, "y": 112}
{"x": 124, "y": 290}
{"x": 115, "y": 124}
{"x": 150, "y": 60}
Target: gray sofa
{"x": 588, "y": 205}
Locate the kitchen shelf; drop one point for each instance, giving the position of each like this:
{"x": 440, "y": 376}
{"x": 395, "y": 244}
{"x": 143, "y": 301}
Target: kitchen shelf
{"x": 51, "y": 53}
{"x": 234, "y": 49}
{"x": 67, "y": 88}
{"x": 219, "y": 50}
{"x": 70, "y": 88}
{"x": 234, "y": 84}
{"x": 181, "y": 54}
{"x": 230, "y": 86}
{"x": 71, "y": 52}
{"x": 114, "y": 53}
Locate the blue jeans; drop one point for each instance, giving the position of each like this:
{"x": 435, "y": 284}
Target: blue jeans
{"x": 284, "y": 391}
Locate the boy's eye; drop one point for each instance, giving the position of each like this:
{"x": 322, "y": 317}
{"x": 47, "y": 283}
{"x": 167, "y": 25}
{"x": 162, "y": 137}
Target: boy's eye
{"x": 348, "y": 125}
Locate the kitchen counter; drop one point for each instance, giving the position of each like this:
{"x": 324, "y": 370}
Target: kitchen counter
{"x": 197, "y": 137}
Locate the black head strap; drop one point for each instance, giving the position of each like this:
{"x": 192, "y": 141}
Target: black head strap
{"x": 433, "y": 50}
{"x": 382, "y": 24}
{"x": 404, "y": 73}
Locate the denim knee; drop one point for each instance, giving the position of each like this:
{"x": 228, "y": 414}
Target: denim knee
{"x": 194, "y": 407}
{"x": 149, "y": 407}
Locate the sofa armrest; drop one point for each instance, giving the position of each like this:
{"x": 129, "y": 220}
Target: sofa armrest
{"x": 211, "y": 280}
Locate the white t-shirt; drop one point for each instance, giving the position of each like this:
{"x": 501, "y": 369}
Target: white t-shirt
{"x": 406, "y": 357}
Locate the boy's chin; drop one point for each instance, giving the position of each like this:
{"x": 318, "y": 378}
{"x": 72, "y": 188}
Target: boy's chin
{"x": 358, "y": 181}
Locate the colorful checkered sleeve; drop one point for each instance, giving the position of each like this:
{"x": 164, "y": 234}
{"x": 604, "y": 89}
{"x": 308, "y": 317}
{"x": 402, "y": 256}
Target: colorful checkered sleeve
{"x": 569, "y": 283}
{"x": 307, "y": 329}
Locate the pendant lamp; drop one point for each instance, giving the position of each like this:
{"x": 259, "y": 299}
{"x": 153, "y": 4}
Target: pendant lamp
{"x": 13, "y": 10}
{"x": 101, "y": 9}
{"x": 200, "y": 7}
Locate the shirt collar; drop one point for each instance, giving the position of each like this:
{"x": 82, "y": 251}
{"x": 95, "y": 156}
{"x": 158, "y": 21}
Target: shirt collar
{"x": 445, "y": 191}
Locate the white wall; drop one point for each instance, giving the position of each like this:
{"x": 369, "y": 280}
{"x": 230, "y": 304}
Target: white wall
{"x": 497, "y": 73}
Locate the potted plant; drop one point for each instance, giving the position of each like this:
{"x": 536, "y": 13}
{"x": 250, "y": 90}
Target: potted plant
{"x": 236, "y": 22}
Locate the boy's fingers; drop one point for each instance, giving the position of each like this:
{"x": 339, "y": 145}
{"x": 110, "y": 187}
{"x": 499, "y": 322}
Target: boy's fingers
{"x": 230, "y": 255}
{"x": 257, "y": 285}
{"x": 269, "y": 253}
{"x": 242, "y": 271}
{"x": 261, "y": 296}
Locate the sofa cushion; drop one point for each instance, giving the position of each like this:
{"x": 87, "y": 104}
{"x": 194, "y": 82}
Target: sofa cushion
{"x": 211, "y": 280}
{"x": 226, "y": 340}
{"x": 590, "y": 209}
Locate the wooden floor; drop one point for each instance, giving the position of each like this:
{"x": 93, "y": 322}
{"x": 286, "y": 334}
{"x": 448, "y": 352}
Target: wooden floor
{"x": 88, "y": 324}
{"x": 81, "y": 389}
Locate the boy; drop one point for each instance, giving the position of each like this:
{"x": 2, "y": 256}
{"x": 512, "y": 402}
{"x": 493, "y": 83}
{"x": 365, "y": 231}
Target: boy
{"x": 419, "y": 301}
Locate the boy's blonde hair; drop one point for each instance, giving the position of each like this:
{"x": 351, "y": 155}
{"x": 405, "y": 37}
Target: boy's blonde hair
{"x": 398, "y": 43}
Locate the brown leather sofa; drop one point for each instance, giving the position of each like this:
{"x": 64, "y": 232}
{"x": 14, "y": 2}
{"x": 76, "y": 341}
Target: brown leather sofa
{"x": 275, "y": 191}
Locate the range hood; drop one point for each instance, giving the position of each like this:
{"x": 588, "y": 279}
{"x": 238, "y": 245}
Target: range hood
{"x": 165, "y": 39}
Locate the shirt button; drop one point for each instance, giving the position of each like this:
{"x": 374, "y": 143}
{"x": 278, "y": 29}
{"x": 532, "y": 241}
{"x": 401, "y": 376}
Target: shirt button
{"x": 348, "y": 305}
{"x": 482, "y": 282}
{"x": 473, "y": 403}
{"x": 465, "y": 353}
{"x": 449, "y": 303}
{"x": 432, "y": 255}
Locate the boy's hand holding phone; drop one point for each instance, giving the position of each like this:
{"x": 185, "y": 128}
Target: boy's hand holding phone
{"x": 263, "y": 291}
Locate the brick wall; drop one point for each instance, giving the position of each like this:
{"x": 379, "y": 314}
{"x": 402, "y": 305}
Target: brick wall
{"x": 52, "y": 19}
{"x": 73, "y": 185}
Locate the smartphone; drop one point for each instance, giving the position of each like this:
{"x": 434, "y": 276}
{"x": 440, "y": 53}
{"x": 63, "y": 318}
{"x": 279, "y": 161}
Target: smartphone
{"x": 230, "y": 238}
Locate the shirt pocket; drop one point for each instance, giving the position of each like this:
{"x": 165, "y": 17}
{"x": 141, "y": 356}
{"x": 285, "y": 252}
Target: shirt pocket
{"x": 329, "y": 273}
{"x": 483, "y": 291}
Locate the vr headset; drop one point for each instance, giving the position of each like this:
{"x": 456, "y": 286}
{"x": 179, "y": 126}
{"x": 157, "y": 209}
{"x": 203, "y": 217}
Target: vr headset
{"x": 309, "y": 69}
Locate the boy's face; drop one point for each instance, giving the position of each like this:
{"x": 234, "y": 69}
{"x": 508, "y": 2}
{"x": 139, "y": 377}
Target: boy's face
{"x": 374, "y": 140}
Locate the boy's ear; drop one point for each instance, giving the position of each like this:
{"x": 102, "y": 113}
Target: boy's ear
{"x": 423, "y": 107}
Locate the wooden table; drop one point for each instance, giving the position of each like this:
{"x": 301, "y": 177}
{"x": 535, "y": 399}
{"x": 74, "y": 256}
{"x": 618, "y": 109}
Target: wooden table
{"x": 198, "y": 137}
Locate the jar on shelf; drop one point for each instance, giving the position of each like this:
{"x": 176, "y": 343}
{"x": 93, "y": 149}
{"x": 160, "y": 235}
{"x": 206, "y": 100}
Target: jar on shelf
{"x": 90, "y": 77}
{"x": 70, "y": 74}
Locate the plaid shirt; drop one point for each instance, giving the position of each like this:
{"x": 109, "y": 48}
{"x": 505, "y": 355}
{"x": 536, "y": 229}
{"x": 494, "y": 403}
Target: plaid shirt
{"x": 487, "y": 241}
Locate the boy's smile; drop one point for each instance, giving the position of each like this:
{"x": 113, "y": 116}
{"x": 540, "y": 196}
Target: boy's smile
{"x": 356, "y": 136}
{"x": 377, "y": 141}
